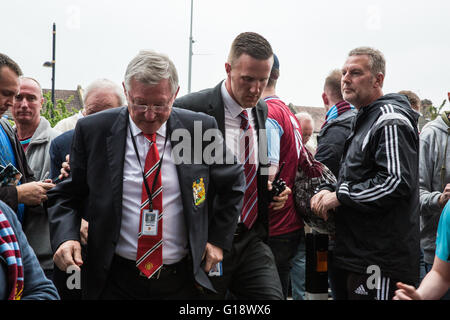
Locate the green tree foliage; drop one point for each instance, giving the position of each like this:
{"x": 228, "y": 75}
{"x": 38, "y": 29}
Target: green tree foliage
{"x": 55, "y": 114}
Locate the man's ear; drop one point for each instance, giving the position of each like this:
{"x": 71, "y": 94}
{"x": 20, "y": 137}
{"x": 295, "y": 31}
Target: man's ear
{"x": 176, "y": 93}
{"x": 379, "y": 79}
{"x": 124, "y": 88}
{"x": 326, "y": 102}
{"x": 227, "y": 67}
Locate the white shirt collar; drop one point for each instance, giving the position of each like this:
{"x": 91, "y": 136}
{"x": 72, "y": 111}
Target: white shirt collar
{"x": 231, "y": 104}
{"x": 136, "y": 131}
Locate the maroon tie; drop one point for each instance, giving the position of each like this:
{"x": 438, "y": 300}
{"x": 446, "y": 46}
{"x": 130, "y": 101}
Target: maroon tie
{"x": 250, "y": 208}
{"x": 149, "y": 251}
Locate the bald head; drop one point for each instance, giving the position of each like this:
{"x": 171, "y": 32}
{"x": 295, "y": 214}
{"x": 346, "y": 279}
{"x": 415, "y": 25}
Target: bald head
{"x": 306, "y": 124}
{"x": 28, "y": 104}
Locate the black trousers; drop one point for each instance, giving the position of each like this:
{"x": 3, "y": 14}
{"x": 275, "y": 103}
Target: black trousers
{"x": 60, "y": 280}
{"x": 175, "y": 282}
{"x": 348, "y": 285}
{"x": 284, "y": 247}
{"x": 249, "y": 271}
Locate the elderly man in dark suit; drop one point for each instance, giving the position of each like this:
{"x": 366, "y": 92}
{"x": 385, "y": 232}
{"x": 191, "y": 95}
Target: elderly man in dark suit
{"x": 249, "y": 270}
{"x": 145, "y": 194}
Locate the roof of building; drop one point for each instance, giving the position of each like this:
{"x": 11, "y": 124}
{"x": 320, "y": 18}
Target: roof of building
{"x": 77, "y": 101}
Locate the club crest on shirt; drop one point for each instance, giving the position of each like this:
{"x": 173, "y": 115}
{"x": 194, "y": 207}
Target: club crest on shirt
{"x": 198, "y": 189}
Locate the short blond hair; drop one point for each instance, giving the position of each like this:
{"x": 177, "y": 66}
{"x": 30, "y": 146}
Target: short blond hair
{"x": 333, "y": 83}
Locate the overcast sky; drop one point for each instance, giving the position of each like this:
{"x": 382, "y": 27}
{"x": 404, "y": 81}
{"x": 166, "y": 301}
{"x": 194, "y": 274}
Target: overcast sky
{"x": 97, "y": 39}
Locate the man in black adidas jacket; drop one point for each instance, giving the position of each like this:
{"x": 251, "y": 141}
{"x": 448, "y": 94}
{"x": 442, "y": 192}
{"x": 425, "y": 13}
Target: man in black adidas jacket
{"x": 376, "y": 197}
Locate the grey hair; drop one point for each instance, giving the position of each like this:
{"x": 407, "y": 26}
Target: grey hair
{"x": 150, "y": 67}
{"x": 37, "y": 82}
{"x": 377, "y": 61}
{"x": 305, "y": 116}
{"x": 104, "y": 84}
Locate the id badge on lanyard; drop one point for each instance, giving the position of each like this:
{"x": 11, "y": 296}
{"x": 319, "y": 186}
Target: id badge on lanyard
{"x": 150, "y": 222}
{"x": 150, "y": 217}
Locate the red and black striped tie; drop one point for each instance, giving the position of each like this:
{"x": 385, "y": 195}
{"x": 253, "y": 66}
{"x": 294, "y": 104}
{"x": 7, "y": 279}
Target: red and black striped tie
{"x": 149, "y": 251}
{"x": 250, "y": 208}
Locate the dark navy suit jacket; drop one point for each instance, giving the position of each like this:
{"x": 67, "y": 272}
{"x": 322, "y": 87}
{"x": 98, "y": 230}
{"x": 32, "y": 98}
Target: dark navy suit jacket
{"x": 59, "y": 148}
{"x": 94, "y": 190}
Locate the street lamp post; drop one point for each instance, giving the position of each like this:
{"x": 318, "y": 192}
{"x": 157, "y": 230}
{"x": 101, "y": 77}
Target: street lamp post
{"x": 191, "y": 41}
{"x": 52, "y": 65}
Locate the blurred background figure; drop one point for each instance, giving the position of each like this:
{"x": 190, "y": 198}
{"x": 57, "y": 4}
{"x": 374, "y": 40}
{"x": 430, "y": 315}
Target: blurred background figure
{"x": 34, "y": 131}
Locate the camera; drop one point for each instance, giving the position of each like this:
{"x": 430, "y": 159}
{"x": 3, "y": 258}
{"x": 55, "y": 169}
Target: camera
{"x": 278, "y": 185}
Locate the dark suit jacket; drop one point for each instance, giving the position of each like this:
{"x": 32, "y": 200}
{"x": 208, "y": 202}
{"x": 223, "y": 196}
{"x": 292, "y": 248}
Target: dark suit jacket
{"x": 59, "y": 148}
{"x": 96, "y": 163}
{"x": 210, "y": 101}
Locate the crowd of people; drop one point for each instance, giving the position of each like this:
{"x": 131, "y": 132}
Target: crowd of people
{"x": 146, "y": 195}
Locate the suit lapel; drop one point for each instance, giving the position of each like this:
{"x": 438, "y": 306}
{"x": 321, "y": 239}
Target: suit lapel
{"x": 216, "y": 107}
{"x": 173, "y": 123}
{"x": 115, "y": 148}
{"x": 183, "y": 170}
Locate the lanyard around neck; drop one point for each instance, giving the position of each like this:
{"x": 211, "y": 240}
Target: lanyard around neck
{"x": 147, "y": 189}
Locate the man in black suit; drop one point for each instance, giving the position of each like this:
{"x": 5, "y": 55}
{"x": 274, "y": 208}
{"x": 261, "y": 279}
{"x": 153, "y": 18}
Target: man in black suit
{"x": 107, "y": 187}
{"x": 249, "y": 270}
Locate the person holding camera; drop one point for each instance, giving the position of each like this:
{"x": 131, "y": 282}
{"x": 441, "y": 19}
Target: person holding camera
{"x": 286, "y": 227}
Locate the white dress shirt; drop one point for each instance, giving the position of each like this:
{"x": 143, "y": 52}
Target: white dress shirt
{"x": 174, "y": 229}
{"x": 233, "y": 126}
